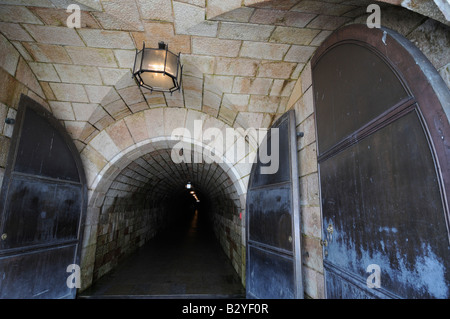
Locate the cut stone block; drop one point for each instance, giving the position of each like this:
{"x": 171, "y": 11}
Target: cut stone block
{"x": 241, "y": 31}
{"x": 111, "y": 76}
{"x": 54, "y": 35}
{"x": 58, "y": 17}
{"x": 25, "y": 75}
{"x": 173, "y": 118}
{"x": 236, "y": 66}
{"x": 218, "y": 7}
{"x": 131, "y": 95}
{"x": 83, "y": 111}
{"x": 196, "y": 65}
{"x": 21, "y": 49}
{"x": 120, "y": 15}
{"x": 241, "y": 14}
{"x": 80, "y": 74}
{"x": 156, "y": 10}
{"x": 282, "y": 88}
{"x": 101, "y": 94}
{"x": 125, "y": 58}
{"x": 282, "y": 17}
{"x": 328, "y": 22}
{"x": 62, "y": 110}
{"x": 69, "y": 92}
{"x": 252, "y": 85}
{"x": 205, "y": 29}
{"x": 299, "y": 53}
{"x": 211, "y": 100}
{"x": 260, "y": 103}
{"x": 9, "y": 57}
{"x": 44, "y": 71}
{"x": 120, "y": 134}
{"x": 106, "y": 39}
{"x": 117, "y": 109}
{"x": 276, "y": 70}
{"x": 18, "y": 14}
{"x": 293, "y": 35}
{"x": 105, "y": 145}
{"x": 320, "y": 38}
{"x": 215, "y": 47}
{"x": 227, "y": 115}
{"x": 187, "y": 16}
{"x": 47, "y": 52}
{"x": 166, "y": 33}
{"x": 218, "y": 84}
{"x": 14, "y": 31}
{"x": 262, "y": 50}
{"x": 322, "y": 8}
{"x": 155, "y": 122}
{"x": 92, "y": 56}
{"x": 47, "y": 91}
{"x": 238, "y": 102}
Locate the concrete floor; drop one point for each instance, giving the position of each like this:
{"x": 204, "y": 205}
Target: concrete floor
{"x": 186, "y": 261}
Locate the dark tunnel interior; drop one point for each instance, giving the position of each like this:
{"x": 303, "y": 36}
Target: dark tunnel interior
{"x": 168, "y": 238}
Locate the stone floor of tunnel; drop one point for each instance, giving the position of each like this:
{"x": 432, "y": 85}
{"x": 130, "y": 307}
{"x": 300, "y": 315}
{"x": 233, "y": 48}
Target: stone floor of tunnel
{"x": 184, "y": 261}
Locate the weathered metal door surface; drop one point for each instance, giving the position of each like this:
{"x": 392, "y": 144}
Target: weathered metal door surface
{"x": 384, "y": 159}
{"x": 42, "y": 202}
{"x": 273, "y": 262}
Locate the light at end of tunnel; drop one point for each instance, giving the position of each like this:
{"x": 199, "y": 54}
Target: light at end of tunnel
{"x": 188, "y": 185}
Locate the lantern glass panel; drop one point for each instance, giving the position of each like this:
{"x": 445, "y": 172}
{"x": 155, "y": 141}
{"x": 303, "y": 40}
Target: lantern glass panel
{"x": 171, "y": 64}
{"x": 157, "y": 80}
{"x": 154, "y": 60}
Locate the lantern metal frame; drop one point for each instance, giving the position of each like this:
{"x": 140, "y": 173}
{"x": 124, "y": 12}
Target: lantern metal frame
{"x": 176, "y": 79}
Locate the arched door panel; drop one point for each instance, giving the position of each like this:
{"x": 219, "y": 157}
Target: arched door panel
{"x": 273, "y": 259}
{"x": 383, "y": 167}
{"x": 42, "y": 204}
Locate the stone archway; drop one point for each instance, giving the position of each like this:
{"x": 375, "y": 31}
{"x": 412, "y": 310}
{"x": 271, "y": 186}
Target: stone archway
{"x": 232, "y": 174}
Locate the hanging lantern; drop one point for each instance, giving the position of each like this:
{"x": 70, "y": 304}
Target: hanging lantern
{"x": 158, "y": 69}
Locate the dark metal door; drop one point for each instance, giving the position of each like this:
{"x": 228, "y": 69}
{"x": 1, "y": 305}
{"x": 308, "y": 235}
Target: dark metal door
{"x": 273, "y": 262}
{"x": 42, "y": 202}
{"x": 383, "y": 158}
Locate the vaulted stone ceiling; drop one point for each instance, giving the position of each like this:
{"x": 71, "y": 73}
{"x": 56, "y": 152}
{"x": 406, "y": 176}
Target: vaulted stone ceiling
{"x": 241, "y": 59}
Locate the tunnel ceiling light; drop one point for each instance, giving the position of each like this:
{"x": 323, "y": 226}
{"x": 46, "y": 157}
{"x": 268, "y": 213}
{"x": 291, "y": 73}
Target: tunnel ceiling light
{"x": 158, "y": 69}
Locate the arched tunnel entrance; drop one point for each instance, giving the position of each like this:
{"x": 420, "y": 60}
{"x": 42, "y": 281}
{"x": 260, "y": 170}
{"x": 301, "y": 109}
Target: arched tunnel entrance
{"x": 156, "y": 236}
